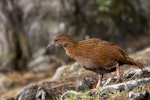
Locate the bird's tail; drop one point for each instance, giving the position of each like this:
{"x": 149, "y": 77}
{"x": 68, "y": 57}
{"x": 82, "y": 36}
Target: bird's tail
{"x": 132, "y": 62}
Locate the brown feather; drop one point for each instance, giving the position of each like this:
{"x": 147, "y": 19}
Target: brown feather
{"x": 135, "y": 63}
{"x": 96, "y": 54}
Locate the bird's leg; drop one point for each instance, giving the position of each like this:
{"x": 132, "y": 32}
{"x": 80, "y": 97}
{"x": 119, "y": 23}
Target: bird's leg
{"x": 100, "y": 76}
{"x": 117, "y": 73}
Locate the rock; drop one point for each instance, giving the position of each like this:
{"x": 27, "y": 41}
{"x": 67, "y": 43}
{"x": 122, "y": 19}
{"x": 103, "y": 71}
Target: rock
{"x": 34, "y": 93}
{"x": 139, "y": 95}
{"x": 41, "y": 94}
{"x": 125, "y": 85}
{"x": 85, "y": 84}
{"x": 43, "y": 91}
{"x": 82, "y": 85}
{"x": 107, "y": 82}
{"x": 74, "y": 66}
{"x": 40, "y": 63}
{"x": 58, "y": 73}
{"x": 137, "y": 73}
{"x": 70, "y": 72}
{"x": 28, "y": 93}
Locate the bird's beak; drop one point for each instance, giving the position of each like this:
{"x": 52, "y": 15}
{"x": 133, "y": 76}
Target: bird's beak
{"x": 51, "y": 44}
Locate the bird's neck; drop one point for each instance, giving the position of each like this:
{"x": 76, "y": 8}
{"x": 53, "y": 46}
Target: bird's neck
{"x": 70, "y": 48}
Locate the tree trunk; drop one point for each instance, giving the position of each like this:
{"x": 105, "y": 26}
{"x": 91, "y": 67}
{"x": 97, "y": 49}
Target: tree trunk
{"x": 13, "y": 42}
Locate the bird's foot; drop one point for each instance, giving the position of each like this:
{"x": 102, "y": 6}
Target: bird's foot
{"x": 94, "y": 91}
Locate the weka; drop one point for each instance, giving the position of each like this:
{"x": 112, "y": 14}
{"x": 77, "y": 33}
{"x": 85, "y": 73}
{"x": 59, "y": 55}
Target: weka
{"x": 95, "y": 54}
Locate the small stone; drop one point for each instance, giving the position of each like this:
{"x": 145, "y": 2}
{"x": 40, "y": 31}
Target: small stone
{"x": 59, "y": 72}
{"x": 82, "y": 85}
{"x": 28, "y": 93}
{"x": 74, "y": 66}
{"x": 41, "y": 94}
{"x": 139, "y": 95}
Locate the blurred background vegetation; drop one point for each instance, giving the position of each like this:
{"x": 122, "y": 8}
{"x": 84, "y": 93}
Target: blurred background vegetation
{"x": 27, "y": 26}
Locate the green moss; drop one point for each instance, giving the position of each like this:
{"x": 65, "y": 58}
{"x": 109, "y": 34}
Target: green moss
{"x": 123, "y": 95}
{"x": 142, "y": 87}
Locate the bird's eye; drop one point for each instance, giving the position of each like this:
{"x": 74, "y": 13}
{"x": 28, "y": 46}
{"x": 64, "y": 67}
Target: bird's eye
{"x": 55, "y": 40}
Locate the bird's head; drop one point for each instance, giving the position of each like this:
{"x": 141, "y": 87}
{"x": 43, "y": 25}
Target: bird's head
{"x": 61, "y": 40}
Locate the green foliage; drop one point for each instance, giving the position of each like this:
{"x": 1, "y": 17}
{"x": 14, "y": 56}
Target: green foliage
{"x": 100, "y": 95}
{"x": 104, "y": 5}
{"x": 82, "y": 96}
{"x": 56, "y": 98}
{"x": 142, "y": 87}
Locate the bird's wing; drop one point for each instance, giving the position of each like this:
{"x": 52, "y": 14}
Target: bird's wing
{"x": 99, "y": 54}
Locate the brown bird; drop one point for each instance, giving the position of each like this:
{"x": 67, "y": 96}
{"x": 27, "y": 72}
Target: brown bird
{"x": 94, "y": 54}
